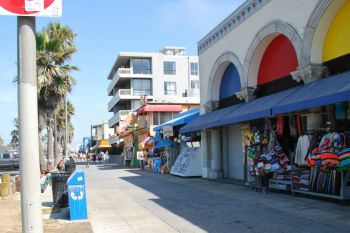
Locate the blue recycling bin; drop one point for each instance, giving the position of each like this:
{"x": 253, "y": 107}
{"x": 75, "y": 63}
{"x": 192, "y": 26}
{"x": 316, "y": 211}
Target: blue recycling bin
{"x": 77, "y": 196}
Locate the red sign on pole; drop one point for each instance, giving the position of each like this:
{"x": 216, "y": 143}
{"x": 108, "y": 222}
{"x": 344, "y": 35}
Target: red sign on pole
{"x": 49, "y": 8}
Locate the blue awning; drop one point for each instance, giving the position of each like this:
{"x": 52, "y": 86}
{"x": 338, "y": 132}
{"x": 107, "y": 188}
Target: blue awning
{"x": 180, "y": 119}
{"x": 330, "y": 90}
{"x": 255, "y": 109}
{"x": 207, "y": 120}
{"x": 164, "y": 143}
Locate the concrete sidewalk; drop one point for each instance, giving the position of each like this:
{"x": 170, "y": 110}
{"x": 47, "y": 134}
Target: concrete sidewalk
{"x": 54, "y": 222}
{"x": 111, "y": 209}
{"x": 128, "y": 200}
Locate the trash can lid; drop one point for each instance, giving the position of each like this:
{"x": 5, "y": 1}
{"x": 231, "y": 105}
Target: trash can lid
{"x": 77, "y": 178}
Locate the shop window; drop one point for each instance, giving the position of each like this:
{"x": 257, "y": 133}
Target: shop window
{"x": 165, "y": 116}
{"x": 155, "y": 118}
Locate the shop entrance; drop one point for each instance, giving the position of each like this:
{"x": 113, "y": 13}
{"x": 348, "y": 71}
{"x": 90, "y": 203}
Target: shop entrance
{"x": 235, "y": 157}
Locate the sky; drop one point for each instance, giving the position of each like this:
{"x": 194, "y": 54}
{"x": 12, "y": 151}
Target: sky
{"x": 104, "y": 28}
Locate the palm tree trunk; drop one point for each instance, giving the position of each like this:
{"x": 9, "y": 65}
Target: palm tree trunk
{"x": 43, "y": 164}
{"x": 50, "y": 154}
{"x": 56, "y": 141}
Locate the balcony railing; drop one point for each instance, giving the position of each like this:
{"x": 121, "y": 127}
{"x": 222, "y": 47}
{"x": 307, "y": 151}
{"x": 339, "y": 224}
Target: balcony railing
{"x": 127, "y": 94}
{"x": 126, "y": 73}
{"x": 120, "y": 115}
{"x": 121, "y": 72}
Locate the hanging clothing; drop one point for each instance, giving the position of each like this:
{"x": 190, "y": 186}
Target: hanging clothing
{"x": 292, "y": 125}
{"x": 279, "y": 126}
{"x": 298, "y": 124}
{"x": 301, "y": 150}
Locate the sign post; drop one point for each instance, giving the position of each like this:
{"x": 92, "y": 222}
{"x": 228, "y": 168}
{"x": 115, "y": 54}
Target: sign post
{"x": 28, "y": 127}
{"x": 26, "y": 10}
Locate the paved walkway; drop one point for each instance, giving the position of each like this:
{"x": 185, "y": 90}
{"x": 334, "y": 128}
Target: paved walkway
{"x": 127, "y": 200}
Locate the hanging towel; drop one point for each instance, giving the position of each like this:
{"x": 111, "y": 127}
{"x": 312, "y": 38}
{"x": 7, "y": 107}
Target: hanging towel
{"x": 302, "y": 150}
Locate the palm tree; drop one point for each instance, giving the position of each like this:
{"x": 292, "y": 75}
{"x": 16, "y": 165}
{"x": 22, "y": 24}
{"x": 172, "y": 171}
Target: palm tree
{"x": 55, "y": 47}
{"x": 15, "y": 134}
{"x": 60, "y": 129}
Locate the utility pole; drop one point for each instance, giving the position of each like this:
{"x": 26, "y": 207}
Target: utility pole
{"x": 28, "y": 126}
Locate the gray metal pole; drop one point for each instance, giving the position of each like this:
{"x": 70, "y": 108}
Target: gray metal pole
{"x": 28, "y": 127}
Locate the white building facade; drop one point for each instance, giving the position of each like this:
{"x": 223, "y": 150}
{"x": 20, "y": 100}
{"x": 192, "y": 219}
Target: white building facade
{"x": 245, "y": 40}
{"x": 166, "y": 77}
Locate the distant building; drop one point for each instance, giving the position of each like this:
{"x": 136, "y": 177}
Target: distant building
{"x": 100, "y": 133}
{"x": 168, "y": 77}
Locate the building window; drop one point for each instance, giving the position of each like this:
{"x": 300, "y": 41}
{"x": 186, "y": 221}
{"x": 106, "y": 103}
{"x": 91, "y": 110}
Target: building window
{"x": 170, "y": 67}
{"x": 155, "y": 118}
{"x": 194, "y": 68}
{"x": 169, "y": 88}
{"x": 142, "y": 87}
{"x": 142, "y": 66}
{"x": 165, "y": 116}
{"x": 194, "y": 84}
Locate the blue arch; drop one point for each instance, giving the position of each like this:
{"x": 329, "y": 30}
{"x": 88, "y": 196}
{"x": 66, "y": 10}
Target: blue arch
{"x": 230, "y": 82}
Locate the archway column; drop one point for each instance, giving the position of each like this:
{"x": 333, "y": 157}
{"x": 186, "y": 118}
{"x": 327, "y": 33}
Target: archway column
{"x": 205, "y": 145}
{"x": 310, "y": 73}
{"x": 216, "y": 171}
{"x": 246, "y": 94}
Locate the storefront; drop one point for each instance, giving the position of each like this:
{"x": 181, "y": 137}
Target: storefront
{"x": 282, "y": 71}
{"x": 169, "y": 144}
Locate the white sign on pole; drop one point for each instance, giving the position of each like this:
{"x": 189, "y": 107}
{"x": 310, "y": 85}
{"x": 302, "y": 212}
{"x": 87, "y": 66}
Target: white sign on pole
{"x": 45, "y": 8}
{"x": 139, "y": 155}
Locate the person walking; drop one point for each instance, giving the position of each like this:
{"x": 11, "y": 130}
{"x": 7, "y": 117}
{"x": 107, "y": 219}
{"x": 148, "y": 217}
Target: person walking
{"x": 107, "y": 157}
{"x": 87, "y": 159}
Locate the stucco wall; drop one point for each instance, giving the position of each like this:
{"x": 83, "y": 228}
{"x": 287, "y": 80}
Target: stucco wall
{"x": 239, "y": 40}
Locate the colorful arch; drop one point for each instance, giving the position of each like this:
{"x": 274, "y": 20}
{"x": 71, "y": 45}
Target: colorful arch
{"x": 337, "y": 40}
{"x": 230, "y": 82}
{"x": 278, "y": 61}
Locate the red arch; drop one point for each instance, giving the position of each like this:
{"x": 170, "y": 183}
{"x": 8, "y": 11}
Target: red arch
{"x": 278, "y": 61}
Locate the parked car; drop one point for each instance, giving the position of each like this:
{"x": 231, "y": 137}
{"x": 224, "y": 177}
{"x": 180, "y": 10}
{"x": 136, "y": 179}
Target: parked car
{"x": 9, "y": 160}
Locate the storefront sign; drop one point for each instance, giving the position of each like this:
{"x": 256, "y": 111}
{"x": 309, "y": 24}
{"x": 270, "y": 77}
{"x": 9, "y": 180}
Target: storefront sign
{"x": 86, "y": 143}
{"x": 139, "y": 155}
{"x": 47, "y": 8}
{"x": 168, "y": 131}
{"x": 122, "y": 127}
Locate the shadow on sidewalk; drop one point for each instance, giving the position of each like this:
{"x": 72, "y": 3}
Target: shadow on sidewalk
{"x": 221, "y": 207}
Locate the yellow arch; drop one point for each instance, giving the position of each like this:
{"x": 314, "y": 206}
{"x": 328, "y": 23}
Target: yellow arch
{"x": 337, "y": 41}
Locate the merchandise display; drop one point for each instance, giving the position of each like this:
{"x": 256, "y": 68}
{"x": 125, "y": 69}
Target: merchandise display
{"x": 301, "y": 179}
{"x": 331, "y": 153}
{"x": 320, "y": 156}
{"x": 265, "y": 154}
